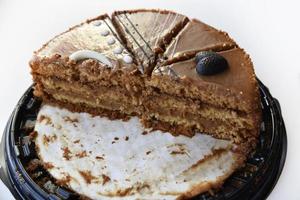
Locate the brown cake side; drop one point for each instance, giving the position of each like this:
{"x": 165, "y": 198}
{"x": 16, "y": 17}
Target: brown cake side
{"x": 87, "y": 84}
{"x": 226, "y": 105}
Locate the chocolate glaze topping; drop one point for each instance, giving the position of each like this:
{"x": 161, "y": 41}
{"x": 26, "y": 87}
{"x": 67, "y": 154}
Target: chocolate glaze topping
{"x": 97, "y": 35}
{"x": 194, "y": 37}
{"x": 146, "y": 32}
{"x": 239, "y": 78}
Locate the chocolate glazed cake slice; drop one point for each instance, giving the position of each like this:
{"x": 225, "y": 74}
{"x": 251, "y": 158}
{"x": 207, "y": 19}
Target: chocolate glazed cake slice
{"x": 88, "y": 69}
{"x": 194, "y": 37}
{"x": 224, "y": 103}
{"x": 148, "y": 32}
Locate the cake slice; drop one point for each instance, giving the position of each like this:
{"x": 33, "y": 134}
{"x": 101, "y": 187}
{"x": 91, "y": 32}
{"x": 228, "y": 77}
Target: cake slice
{"x": 178, "y": 76}
{"x": 148, "y": 32}
{"x": 90, "y": 68}
{"x": 87, "y": 68}
{"x": 225, "y": 104}
{"x": 194, "y": 37}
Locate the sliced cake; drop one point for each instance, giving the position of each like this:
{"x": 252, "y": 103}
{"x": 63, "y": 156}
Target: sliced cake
{"x": 224, "y": 104}
{"x": 177, "y": 76}
{"x": 148, "y": 32}
{"x": 194, "y": 37}
{"x": 88, "y": 69}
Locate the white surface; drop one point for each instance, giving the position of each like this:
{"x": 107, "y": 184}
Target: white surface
{"x": 128, "y": 157}
{"x": 267, "y": 29}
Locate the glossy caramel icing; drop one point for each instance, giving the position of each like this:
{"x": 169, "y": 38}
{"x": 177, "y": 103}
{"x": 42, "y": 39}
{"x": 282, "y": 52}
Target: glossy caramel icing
{"x": 197, "y": 36}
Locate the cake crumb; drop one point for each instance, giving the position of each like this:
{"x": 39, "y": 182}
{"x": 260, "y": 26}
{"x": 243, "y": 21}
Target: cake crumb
{"x": 105, "y": 179}
{"x": 64, "y": 181}
{"x": 66, "y": 153}
{"x": 48, "y": 165}
{"x": 177, "y": 152}
{"x": 48, "y": 139}
{"x": 69, "y": 119}
{"x": 81, "y": 154}
{"x": 46, "y": 119}
{"x": 87, "y": 175}
{"x": 76, "y": 141}
{"x": 145, "y": 132}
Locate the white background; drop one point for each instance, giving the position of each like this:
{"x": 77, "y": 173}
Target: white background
{"x": 267, "y": 29}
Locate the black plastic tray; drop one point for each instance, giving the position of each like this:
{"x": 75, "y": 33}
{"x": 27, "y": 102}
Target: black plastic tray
{"x": 255, "y": 181}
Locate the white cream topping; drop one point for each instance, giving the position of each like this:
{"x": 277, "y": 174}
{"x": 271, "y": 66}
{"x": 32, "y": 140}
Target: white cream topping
{"x": 117, "y": 156}
{"x": 111, "y": 41}
{"x": 97, "y": 23}
{"x": 118, "y": 50}
{"x": 127, "y": 59}
{"x": 87, "y": 54}
{"x": 104, "y": 32}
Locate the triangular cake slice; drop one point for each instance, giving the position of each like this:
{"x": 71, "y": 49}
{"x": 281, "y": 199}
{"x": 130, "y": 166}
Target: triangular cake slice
{"x": 148, "y": 32}
{"x": 226, "y": 104}
{"x": 194, "y": 37}
{"x": 87, "y": 68}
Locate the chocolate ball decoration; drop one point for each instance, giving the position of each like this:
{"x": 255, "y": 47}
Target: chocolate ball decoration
{"x": 210, "y": 63}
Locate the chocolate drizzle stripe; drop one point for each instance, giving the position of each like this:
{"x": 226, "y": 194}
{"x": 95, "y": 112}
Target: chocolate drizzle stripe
{"x": 138, "y": 32}
{"x": 176, "y": 41}
{"x": 174, "y": 46}
{"x": 126, "y": 29}
{"x": 161, "y": 28}
{"x": 155, "y": 21}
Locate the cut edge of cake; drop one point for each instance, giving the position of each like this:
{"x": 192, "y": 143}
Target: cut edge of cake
{"x": 230, "y": 99}
{"x": 53, "y": 64}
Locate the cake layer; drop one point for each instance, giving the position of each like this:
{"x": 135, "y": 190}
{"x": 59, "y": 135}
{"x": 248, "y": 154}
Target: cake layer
{"x": 90, "y": 89}
{"x": 194, "y": 37}
{"x": 190, "y": 110}
{"x": 87, "y": 71}
{"x": 245, "y": 139}
{"x": 108, "y": 98}
{"x": 81, "y": 104}
{"x": 148, "y": 32}
{"x": 150, "y": 104}
{"x": 235, "y": 88}
{"x": 190, "y": 117}
{"x": 110, "y": 105}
